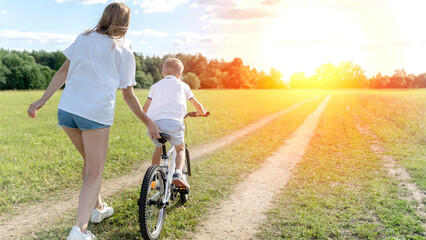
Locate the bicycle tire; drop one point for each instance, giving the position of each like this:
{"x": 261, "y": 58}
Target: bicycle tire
{"x": 151, "y": 213}
{"x": 187, "y": 167}
{"x": 183, "y": 197}
{"x": 187, "y": 172}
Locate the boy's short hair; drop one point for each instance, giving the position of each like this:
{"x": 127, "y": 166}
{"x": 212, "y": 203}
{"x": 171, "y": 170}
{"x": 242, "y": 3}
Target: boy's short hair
{"x": 172, "y": 66}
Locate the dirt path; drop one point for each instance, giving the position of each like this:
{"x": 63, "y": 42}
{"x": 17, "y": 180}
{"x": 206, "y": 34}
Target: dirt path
{"x": 397, "y": 171}
{"x": 240, "y": 215}
{"x": 42, "y": 215}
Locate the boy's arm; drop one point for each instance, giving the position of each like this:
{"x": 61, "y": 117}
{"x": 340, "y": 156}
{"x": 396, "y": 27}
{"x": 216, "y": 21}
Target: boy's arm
{"x": 200, "y": 109}
{"x": 147, "y": 104}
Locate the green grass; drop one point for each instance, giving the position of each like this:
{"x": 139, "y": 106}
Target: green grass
{"x": 399, "y": 120}
{"x": 213, "y": 179}
{"x": 341, "y": 190}
{"x": 38, "y": 162}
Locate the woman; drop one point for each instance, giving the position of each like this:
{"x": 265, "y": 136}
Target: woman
{"x": 97, "y": 65}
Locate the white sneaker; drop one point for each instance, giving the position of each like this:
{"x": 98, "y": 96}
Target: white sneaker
{"x": 76, "y": 234}
{"x": 99, "y": 215}
{"x": 179, "y": 180}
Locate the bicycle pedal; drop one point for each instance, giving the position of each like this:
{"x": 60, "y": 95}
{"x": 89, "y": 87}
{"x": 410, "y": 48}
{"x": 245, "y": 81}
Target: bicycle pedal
{"x": 183, "y": 190}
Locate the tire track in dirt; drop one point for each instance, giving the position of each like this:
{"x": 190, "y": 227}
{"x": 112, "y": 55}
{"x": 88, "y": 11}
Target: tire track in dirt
{"x": 41, "y": 215}
{"x": 240, "y": 215}
{"x": 396, "y": 171}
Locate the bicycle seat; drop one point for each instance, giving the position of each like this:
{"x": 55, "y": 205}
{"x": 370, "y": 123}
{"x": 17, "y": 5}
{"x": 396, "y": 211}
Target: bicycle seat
{"x": 164, "y": 138}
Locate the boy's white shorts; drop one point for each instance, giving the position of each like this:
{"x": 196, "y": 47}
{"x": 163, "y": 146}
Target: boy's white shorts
{"x": 172, "y": 127}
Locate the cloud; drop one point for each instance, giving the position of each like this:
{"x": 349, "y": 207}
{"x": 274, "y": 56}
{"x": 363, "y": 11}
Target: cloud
{"x": 191, "y": 37}
{"x": 178, "y": 42}
{"x": 271, "y": 2}
{"x": 44, "y": 38}
{"x": 240, "y": 12}
{"x": 151, "y": 6}
{"x": 85, "y": 2}
{"x": 230, "y": 12}
{"x": 218, "y": 3}
{"x": 219, "y": 39}
{"x": 193, "y": 5}
{"x": 304, "y": 42}
{"x": 3, "y": 12}
{"x": 148, "y": 32}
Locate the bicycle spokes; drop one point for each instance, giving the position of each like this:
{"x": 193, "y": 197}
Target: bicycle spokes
{"x": 151, "y": 203}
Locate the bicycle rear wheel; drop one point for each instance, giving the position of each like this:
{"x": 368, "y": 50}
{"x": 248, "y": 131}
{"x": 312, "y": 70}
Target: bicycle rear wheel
{"x": 187, "y": 166}
{"x": 151, "y": 208}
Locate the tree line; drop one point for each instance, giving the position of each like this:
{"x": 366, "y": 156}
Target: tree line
{"x": 24, "y": 70}
{"x": 199, "y": 72}
{"x": 350, "y": 75}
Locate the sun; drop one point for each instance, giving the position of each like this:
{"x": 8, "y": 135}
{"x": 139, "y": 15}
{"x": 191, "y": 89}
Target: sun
{"x": 308, "y": 38}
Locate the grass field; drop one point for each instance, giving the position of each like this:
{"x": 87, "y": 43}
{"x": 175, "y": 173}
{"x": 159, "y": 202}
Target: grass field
{"x": 340, "y": 190}
{"x": 399, "y": 120}
{"x": 213, "y": 180}
{"x": 38, "y": 161}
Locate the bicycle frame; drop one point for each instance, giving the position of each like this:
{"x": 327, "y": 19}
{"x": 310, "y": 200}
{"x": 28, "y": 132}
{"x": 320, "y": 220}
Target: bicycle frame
{"x": 171, "y": 155}
{"x": 154, "y": 197}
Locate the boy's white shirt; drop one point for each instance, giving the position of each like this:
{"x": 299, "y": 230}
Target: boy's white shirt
{"x": 168, "y": 99}
{"x": 97, "y": 69}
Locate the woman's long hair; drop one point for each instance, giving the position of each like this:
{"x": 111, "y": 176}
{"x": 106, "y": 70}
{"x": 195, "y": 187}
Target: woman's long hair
{"x": 114, "y": 21}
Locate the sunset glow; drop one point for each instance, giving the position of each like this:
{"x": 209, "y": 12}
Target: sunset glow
{"x": 372, "y": 35}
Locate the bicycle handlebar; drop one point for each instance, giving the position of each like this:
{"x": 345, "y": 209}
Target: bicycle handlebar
{"x": 194, "y": 114}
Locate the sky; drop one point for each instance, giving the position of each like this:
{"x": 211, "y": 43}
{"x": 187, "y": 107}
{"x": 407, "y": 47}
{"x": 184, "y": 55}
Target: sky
{"x": 290, "y": 35}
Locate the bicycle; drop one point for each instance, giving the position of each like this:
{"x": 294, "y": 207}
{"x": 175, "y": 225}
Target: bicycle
{"x": 157, "y": 189}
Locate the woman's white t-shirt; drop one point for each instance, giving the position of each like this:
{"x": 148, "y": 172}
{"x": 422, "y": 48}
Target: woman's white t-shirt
{"x": 98, "y": 68}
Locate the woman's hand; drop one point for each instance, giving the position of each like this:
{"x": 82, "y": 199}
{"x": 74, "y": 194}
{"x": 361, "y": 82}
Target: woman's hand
{"x": 153, "y": 130}
{"x": 32, "y": 109}
{"x": 134, "y": 105}
{"x": 57, "y": 81}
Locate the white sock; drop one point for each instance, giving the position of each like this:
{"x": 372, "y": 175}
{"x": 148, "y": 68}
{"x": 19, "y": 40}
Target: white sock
{"x": 178, "y": 171}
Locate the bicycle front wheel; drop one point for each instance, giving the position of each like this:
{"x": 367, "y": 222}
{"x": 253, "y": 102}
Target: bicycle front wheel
{"x": 151, "y": 208}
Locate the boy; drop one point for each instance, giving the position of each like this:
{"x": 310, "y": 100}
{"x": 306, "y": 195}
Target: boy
{"x": 166, "y": 105}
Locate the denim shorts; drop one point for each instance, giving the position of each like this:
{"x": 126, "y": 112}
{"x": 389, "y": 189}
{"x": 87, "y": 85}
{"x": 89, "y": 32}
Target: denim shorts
{"x": 69, "y": 120}
{"x": 173, "y": 128}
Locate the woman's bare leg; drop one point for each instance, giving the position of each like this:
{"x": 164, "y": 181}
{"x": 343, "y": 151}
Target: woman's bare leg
{"x": 77, "y": 139}
{"x": 95, "y": 148}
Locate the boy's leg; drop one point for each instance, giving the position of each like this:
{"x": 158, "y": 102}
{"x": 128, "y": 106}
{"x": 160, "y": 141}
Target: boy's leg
{"x": 179, "y": 179}
{"x": 180, "y": 156}
{"x": 156, "y": 157}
